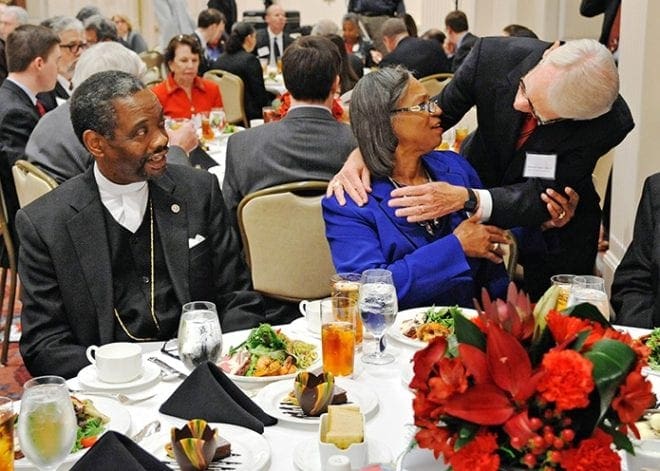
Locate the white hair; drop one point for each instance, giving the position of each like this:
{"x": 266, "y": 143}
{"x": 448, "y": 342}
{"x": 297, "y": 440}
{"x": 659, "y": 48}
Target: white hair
{"x": 325, "y": 27}
{"x": 17, "y": 12}
{"x": 66, "y": 23}
{"x": 587, "y": 81}
{"x": 106, "y": 56}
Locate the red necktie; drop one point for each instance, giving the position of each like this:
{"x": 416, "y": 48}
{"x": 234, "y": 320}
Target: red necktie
{"x": 41, "y": 109}
{"x": 529, "y": 124}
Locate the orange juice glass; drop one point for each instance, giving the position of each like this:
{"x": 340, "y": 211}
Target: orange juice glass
{"x": 207, "y": 131}
{"x": 338, "y": 317}
{"x": 7, "y": 417}
{"x": 348, "y": 285}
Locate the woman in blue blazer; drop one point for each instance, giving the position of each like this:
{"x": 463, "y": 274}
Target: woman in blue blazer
{"x": 444, "y": 261}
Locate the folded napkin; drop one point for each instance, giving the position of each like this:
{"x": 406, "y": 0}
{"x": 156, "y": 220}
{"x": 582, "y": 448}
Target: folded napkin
{"x": 116, "y": 451}
{"x": 208, "y": 394}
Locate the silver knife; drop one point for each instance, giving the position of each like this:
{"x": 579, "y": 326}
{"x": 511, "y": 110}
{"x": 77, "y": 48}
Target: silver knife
{"x": 168, "y": 368}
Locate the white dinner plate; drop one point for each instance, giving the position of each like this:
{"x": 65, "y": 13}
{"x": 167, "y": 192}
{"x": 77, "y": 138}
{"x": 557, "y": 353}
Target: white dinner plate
{"x": 89, "y": 379}
{"x": 249, "y": 449}
{"x": 120, "y": 421}
{"x": 395, "y": 329}
{"x": 301, "y": 325}
{"x": 306, "y": 456}
{"x": 270, "y": 399}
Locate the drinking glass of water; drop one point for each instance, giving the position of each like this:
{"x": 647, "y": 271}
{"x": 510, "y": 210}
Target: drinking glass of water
{"x": 378, "y": 308}
{"x": 47, "y": 424}
{"x": 590, "y": 289}
{"x": 200, "y": 336}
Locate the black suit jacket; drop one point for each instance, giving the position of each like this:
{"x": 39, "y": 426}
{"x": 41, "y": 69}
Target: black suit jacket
{"x": 3, "y": 61}
{"x": 247, "y": 67}
{"x": 49, "y": 99}
{"x": 420, "y": 56}
{"x": 67, "y": 276}
{"x": 228, "y": 7}
{"x": 466, "y": 46}
{"x": 590, "y": 8}
{"x": 18, "y": 117}
{"x": 636, "y": 281}
{"x": 489, "y": 79}
{"x": 263, "y": 40}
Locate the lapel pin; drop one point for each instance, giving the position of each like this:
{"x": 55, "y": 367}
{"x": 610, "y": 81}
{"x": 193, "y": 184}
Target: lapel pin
{"x": 175, "y": 208}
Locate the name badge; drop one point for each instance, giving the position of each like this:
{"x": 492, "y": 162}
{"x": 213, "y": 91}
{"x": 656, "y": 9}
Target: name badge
{"x": 540, "y": 166}
{"x": 263, "y": 51}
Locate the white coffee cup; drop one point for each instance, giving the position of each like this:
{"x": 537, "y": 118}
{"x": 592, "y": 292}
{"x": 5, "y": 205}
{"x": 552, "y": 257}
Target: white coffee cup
{"x": 118, "y": 362}
{"x": 311, "y": 310}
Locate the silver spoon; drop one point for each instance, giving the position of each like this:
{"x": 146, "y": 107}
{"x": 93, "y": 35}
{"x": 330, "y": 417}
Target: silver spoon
{"x": 149, "y": 429}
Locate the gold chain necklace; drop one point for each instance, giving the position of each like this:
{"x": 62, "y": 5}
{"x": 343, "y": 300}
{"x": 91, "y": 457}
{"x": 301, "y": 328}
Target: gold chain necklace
{"x": 152, "y": 290}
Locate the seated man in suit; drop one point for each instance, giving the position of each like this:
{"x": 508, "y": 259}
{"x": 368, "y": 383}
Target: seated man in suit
{"x": 72, "y": 45}
{"x": 53, "y": 144}
{"x": 635, "y": 286}
{"x": 210, "y": 33}
{"x": 32, "y": 56}
{"x": 272, "y": 41}
{"x": 113, "y": 254}
{"x": 420, "y": 57}
{"x": 307, "y": 144}
{"x": 459, "y": 40}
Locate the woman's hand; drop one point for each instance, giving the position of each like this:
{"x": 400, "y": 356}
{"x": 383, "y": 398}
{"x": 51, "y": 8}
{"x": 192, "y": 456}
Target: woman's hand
{"x": 428, "y": 201}
{"x": 353, "y": 178}
{"x": 561, "y": 207}
{"x": 481, "y": 240}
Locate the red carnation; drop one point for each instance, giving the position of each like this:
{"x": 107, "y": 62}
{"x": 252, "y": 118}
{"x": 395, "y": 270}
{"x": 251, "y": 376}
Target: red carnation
{"x": 478, "y": 455}
{"x": 593, "y": 454}
{"x": 567, "y": 380}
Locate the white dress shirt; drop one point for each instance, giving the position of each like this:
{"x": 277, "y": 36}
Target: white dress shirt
{"x": 126, "y": 203}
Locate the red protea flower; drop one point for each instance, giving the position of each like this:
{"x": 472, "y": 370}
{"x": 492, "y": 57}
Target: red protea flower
{"x": 567, "y": 380}
{"x": 513, "y": 315}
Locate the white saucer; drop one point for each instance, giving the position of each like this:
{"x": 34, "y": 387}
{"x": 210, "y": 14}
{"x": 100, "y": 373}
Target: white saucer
{"x": 300, "y": 324}
{"x": 89, "y": 379}
{"x": 306, "y": 456}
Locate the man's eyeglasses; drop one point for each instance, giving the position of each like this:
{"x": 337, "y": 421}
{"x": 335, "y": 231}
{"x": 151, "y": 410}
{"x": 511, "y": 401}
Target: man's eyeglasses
{"x": 541, "y": 121}
{"x": 75, "y": 47}
{"x": 430, "y": 107}
{"x": 171, "y": 349}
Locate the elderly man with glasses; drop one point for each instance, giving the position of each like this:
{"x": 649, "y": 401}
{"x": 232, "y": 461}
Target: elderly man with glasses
{"x": 546, "y": 114}
{"x": 72, "y": 44}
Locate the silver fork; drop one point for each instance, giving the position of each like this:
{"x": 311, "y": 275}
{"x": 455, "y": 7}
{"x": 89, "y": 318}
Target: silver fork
{"x": 122, "y": 398}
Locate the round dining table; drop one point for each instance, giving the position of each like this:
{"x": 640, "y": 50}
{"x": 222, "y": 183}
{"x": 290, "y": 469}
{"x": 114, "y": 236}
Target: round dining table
{"x": 292, "y": 445}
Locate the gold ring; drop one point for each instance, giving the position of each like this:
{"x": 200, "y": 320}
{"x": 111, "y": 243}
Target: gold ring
{"x": 562, "y": 214}
{"x": 496, "y": 246}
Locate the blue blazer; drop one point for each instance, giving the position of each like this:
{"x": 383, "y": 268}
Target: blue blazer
{"x": 426, "y": 269}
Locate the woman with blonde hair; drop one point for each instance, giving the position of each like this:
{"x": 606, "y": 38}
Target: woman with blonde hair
{"x": 133, "y": 39}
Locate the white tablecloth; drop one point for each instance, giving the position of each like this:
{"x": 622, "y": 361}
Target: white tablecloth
{"x": 391, "y": 425}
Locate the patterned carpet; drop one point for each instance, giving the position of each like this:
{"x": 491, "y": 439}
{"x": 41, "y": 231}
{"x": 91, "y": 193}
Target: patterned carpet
{"x": 13, "y": 375}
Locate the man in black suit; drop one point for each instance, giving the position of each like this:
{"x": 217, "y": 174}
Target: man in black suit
{"x": 459, "y": 40}
{"x": 72, "y": 44}
{"x": 420, "y": 56}
{"x": 227, "y": 8}
{"x": 32, "y": 56}
{"x": 542, "y": 126}
{"x": 113, "y": 254}
{"x": 636, "y": 285}
{"x": 272, "y": 41}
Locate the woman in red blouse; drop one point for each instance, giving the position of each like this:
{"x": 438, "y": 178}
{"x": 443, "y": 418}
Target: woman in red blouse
{"x": 183, "y": 94}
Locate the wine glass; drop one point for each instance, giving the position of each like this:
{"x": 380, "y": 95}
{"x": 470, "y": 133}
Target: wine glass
{"x": 378, "y": 307}
{"x": 47, "y": 424}
{"x": 590, "y": 289}
{"x": 200, "y": 335}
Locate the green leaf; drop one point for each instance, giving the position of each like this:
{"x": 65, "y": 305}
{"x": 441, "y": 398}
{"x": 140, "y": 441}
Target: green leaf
{"x": 589, "y": 312}
{"x": 621, "y": 440}
{"x": 579, "y": 341}
{"x": 467, "y": 332}
{"x": 612, "y": 360}
{"x": 465, "y": 435}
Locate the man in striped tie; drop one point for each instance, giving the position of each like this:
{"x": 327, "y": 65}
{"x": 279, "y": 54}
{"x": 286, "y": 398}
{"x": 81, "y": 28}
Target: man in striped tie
{"x": 32, "y": 56}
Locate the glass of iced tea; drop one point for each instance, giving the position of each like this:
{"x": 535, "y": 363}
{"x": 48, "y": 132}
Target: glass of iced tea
{"x": 338, "y": 318}
{"x": 459, "y": 137}
{"x": 348, "y": 285}
{"x": 207, "y": 130}
{"x": 7, "y": 417}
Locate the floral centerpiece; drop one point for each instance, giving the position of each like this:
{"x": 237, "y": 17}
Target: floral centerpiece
{"x": 534, "y": 389}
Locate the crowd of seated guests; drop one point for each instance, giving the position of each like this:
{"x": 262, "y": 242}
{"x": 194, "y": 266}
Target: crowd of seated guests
{"x": 394, "y": 217}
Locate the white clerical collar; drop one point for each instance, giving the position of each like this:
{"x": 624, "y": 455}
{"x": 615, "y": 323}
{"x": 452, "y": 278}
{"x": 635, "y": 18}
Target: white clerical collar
{"x": 126, "y": 203}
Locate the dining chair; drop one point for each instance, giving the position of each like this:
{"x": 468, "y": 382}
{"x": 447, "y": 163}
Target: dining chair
{"x": 7, "y": 273}
{"x": 31, "y": 182}
{"x": 283, "y": 235}
{"x": 155, "y": 62}
{"x": 233, "y": 92}
{"x": 435, "y": 83}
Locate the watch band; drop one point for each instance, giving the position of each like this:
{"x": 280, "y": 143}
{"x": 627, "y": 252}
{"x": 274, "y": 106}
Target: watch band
{"x": 471, "y": 203}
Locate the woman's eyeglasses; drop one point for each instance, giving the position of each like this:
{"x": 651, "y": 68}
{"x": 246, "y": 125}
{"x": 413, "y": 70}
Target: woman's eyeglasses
{"x": 75, "y": 47}
{"x": 430, "y": 106}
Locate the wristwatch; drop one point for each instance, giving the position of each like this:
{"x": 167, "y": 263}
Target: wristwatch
{"x": 471, "y": 204}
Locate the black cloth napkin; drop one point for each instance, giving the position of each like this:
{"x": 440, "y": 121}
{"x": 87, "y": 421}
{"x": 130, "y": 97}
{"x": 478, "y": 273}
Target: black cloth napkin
{"x": 115, "y": 451}
{"x": 199, "y": 157}
{"x": 207, "y": 393}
